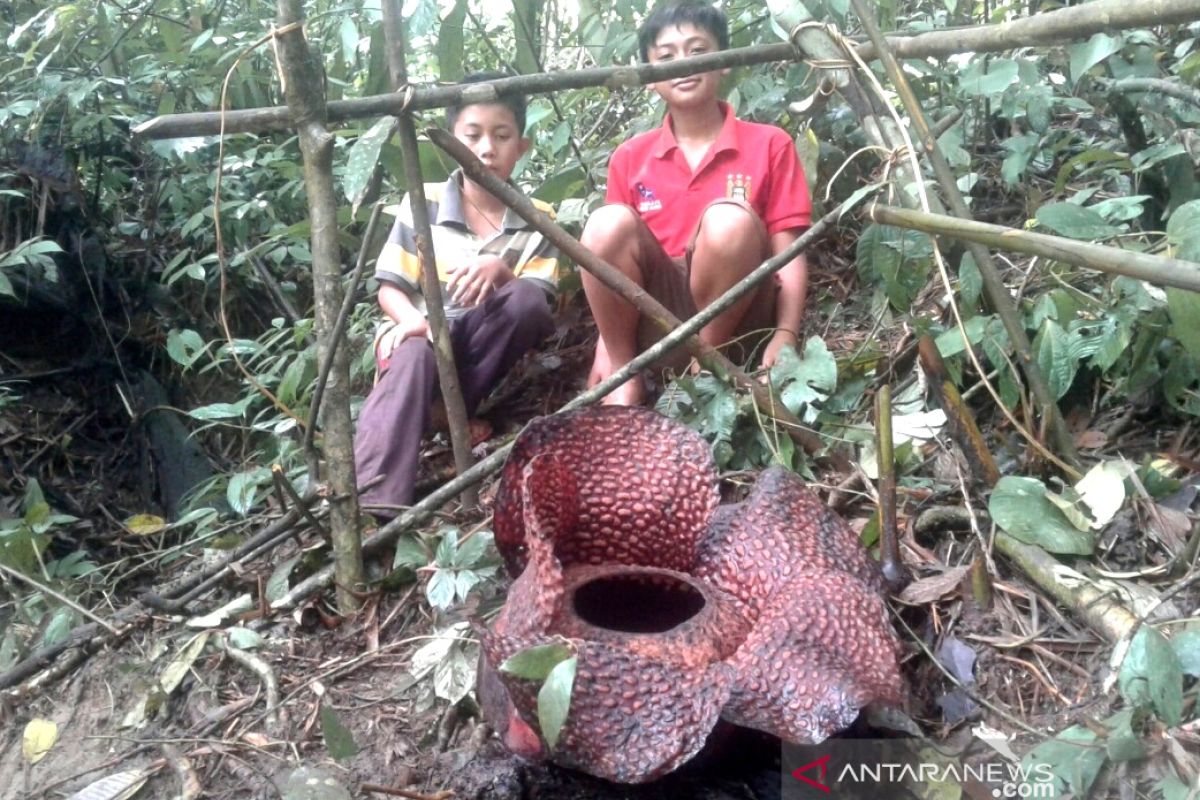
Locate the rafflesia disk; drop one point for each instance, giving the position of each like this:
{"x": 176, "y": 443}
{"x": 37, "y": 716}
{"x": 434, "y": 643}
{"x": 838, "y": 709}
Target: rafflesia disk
{"x": 766, "y": 613}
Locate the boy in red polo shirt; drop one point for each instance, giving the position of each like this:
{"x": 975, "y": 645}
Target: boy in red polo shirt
{"x": 693, "y": 207}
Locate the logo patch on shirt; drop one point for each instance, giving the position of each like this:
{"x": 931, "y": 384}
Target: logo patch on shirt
{"x": 737, "y": 186}
{"x": 649, "y": 201}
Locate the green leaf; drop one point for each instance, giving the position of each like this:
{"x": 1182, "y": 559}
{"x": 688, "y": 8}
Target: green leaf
{"x": 277, "y": 584}
{"x": 1123, "y": 743}
{"x": 6, "y": 287}
{"x": 338, "y": 739}
{"x": 536, "y": 663}
{"x": 1086, "y": 55}
{"x": 450, "y": 43}
{"x": 220, "y": 410}
{"x": 1183, "y": 230}
{"x": 1183, "y": 307}
{"x": 472, "y": 549}
{"x": 1021, "y": 150}
{"x": 1074, "y": 758}
{"x": 805, "y": 380}
{"x": 440, "y": 589}
{"x": 1151, "y": 675}
{"x": 410, "y": 552}
{"x": 1052, "y": 349}
{"x": 245, "y": 639}
{"x": 950, "y": 342}
{"x": 1186, "y": 645}
{"x": 1000, "y": 74}
{"x": 526, "y": 29}
{"x": 184, "y": 346}
{"x": 364, "y": 155}
{"x": 59, "y": 628}
{"x": 454, "y": 675}
{"x": 447, "y": 547}
{"x": 554, "y": 700}
{"x": 1074, "y": 221}
{"x": 1021, "y": 508}
{"x": 243, "y": 490}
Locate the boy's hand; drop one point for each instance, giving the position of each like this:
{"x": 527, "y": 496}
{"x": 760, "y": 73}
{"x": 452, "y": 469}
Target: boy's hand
{"x": 474, "y": 281}
{"x": 782, "y": 338}
{"x": 408, "y": 326}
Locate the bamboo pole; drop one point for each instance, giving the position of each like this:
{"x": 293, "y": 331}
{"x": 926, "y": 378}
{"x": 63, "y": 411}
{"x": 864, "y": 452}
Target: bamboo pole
{"x": 305, "y": 92}
{"x": 1051, "y": 27}
{"x": 443, "y": 350}
{"x": 620, "y": 283}
{"x": 1102, "y": 258}
{"x": 258, "y": 120}
{"x": 997, "y": 294}
{"x": 962, "y": 425}
{"x": 1170, "y": 88}
{"x": 885, "y": 460}
{"x": 426, "y": 508}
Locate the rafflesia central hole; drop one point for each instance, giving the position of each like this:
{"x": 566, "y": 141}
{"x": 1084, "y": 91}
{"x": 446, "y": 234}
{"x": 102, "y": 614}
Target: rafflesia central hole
{"x": 637, "y": 603}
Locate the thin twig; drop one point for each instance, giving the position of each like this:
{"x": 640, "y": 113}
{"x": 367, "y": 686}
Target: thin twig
{"x": 66, "y": 601}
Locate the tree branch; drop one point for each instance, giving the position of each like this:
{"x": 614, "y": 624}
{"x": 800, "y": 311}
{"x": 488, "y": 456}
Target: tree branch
{"x": 1113, "y": 260}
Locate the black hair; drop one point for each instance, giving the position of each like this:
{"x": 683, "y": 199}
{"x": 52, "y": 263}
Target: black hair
{"x": 513, "y": 102}
{"x": 704, "y": 16}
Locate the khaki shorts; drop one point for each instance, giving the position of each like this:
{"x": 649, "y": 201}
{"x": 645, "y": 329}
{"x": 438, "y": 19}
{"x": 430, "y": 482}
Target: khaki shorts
{"x": 668, "y": 282}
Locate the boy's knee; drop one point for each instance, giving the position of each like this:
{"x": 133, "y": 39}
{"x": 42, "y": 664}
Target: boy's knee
{"x": 729, "y": 226}
{"x": 611, "y": 224}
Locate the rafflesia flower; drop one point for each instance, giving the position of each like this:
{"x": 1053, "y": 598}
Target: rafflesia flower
{"x": 766, "y": 613}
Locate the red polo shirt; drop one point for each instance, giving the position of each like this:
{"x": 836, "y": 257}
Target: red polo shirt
{"x": 748, "y": 160}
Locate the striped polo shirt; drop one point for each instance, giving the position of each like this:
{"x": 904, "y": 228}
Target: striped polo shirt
{"x": 526, "y": 252}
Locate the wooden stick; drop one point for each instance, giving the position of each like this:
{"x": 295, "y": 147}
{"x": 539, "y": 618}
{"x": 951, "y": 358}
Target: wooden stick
{"x": 885, "y": 457}
{"x": 962, "y": 425}
{"x": 443, "y": 350}
{"x": 1113, "y": 260}
{"x": 305, "y": 92}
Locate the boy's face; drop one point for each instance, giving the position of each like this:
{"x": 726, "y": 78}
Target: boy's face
{"x": 680, "y": 41}
{"x": 490, "y": 131}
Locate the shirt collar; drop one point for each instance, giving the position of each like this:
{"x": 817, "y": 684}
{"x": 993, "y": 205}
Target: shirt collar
{"x": 450, "y": 209}
{"x": 726, "y": 139}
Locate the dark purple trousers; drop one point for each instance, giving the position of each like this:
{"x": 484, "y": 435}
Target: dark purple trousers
{"x": 488, "y": 340}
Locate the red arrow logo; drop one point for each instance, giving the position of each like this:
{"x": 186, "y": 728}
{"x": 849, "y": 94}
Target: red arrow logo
{"x": 822, "y": 764}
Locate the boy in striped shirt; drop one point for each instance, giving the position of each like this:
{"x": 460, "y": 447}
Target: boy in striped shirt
{"x": 497, "y": 277}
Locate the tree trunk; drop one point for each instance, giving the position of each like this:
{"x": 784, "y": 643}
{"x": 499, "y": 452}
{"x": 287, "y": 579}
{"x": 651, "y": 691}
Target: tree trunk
{"x": 305, "y": 92}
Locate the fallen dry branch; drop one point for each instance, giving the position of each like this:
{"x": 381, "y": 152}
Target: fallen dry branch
{"x": 1170, "y": 88}
{"x": 1113, "y": 260}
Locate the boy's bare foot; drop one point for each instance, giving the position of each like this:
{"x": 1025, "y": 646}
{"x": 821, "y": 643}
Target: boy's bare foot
{"x": 630, "y": 393}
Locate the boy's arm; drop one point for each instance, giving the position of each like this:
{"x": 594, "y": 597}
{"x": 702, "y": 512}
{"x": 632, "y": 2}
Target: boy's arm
{"x": 789, "y": 305}
{"x": 408, "y": 319}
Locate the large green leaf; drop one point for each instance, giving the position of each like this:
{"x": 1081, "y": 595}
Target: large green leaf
{"x": 1073, "y": 758}
{"x": 1152, "y": 676}
{"x": 450, "y": 42}
{"x": 554, "y": 700}
{"x": 986, "y": 78}
{"x": 1074, "y": 221}
{"x": 805, "y": 380}
{"x": 536, "y": 663}
{"x": 1052, "y": 348}
{"x": 1186, "y": 645}
{"x": 338, "y": 739}
{"x": 526, "y": 16}
{"x": 363, "y": 158}
{"x": 1086, "y": 55}
{"x": 1183, "y": 229}
{"x": 1183, "y": 307}
{"x": 1021, "y": 508}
